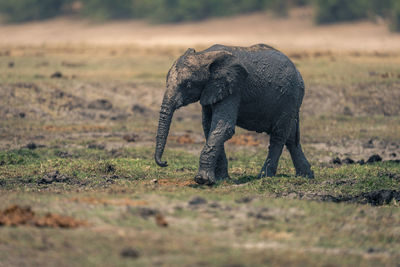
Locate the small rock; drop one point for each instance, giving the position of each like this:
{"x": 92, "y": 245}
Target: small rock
{"x": 63, "y": 154}
{"x": 197, "y": 201}
{"x": 120, "y": 116}
{"x": 47, "y": 179}
{"x": 361, "y": 162}
{"x": 347, "y": 111}
{"x": 348, "y": 161}
{"x": 53, "y": 177}
{"x": 139, "y": 109}
{"x": 31, "y": 146}
{"x": 160, "y": 220}
{"x": 154, "y": 181}
{"x": 58, "y": 94}
{"x": 261, "y": 215}
{"x": 374, "y": 158}
{"x": 109, "y": 168}
{"x": 21, "y": 115}
{"x": 102, "y": 104}
{"x": 244, "y": 200}
{"x": 337, "y": 161}
{"x": 147, "y": 212}
{"x": 96, "y": 146}
{"x": 393, "y": 155}
{"x": 56, "y": 74}
{"x": 214, "y": 205}
{"x": 130, "y": 253}
{"x": 369, "y": 144}
{"x": 11, "y": 64}
{"x": 112, "y": 177}
{"x": 131, "y": 137}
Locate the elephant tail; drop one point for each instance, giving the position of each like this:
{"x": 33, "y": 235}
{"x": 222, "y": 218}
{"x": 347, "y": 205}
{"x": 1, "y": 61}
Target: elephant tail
{"x": 297, "y": 140}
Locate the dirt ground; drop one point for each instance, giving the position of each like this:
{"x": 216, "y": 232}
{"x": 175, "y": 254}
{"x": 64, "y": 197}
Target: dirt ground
{"x": 79, "y": 106}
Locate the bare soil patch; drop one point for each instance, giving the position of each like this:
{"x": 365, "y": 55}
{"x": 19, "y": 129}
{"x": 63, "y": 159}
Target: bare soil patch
{"x": 183, "y": 139}
{"x": 115, "y": 202}
{"x": 361, "y": 99}
{"x": 170, "y": 182}
{"x": 244, "y": 140}
{"x": 16, "y": 215}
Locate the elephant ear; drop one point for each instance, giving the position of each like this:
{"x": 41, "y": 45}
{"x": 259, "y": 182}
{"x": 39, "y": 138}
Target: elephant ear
{"x": 226, "y": 78}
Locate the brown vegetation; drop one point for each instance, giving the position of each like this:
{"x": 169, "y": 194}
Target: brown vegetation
{"x": 244, "y": 140}
{"x": 16, "y": 215}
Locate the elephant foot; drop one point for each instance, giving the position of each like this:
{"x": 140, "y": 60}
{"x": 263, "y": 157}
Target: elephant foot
{"x": 205, "y": 177}
{"x": 262, "y": 174}
{"x": 308, "y": 174}
{"x": 265, "y": 172}
{"x": 222, "y": 175}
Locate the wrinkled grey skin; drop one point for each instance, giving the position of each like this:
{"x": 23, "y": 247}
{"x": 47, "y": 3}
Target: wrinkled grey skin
{"x": 257, "y": 88}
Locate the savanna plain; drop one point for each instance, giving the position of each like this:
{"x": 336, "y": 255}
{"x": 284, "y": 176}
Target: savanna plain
{"x": 79, "y": 186}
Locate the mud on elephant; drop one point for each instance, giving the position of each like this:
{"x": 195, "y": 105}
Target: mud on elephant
{"x": 257, "y": 88}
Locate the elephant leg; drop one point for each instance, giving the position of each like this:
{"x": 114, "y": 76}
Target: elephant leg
{"x": 300, "y": 162}
{"x": 279, "y": 135}
{"x": 221, "y": 168}
{"x": 224, "y": 115}
{"x": 274, "y": 153}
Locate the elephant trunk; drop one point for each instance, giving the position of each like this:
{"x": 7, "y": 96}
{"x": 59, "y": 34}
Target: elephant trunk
{"x": 166, "y": 112}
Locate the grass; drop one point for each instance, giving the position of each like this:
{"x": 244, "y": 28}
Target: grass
{"x": 110, "y": 183}
{"x": 92, "y": 168}
{"x": 104, "y": 189}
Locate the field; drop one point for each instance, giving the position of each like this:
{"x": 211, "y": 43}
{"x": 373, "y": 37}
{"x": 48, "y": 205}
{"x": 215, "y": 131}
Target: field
{"x": 77, "y": 130}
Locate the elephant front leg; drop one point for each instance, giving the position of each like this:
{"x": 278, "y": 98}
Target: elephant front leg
{"x": 213, "y": 161}
{"x": 221, "y": 168}
{"x": 211, "y": 152}
{"x": 206, "y": 174}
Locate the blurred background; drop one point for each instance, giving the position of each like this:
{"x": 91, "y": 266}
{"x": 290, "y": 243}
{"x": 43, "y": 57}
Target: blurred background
{"x": 161, "y": 11}
{"x": 336, "y": 24}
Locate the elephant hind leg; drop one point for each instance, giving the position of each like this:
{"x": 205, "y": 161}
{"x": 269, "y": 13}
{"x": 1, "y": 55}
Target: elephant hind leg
{"x": 278, "y": 138}
{"x": 300, "y": 162}
{"x": 271, "y": 163}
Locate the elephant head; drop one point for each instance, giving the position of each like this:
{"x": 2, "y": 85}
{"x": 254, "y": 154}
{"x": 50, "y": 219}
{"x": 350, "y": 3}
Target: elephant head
{"x": 205, "y": 76}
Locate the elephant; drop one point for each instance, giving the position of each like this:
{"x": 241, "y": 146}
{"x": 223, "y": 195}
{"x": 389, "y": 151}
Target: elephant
{"x": 257, "y": 88}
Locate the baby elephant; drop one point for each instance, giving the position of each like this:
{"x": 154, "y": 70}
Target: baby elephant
{"x": 257, "y": 88}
